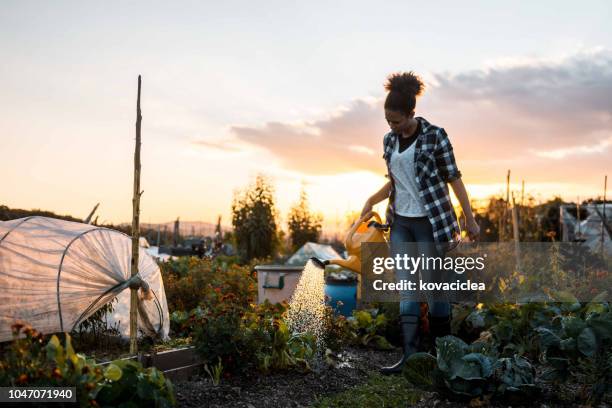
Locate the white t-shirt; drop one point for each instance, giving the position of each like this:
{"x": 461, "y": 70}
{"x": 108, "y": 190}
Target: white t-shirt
{"x": 407, "y": 200}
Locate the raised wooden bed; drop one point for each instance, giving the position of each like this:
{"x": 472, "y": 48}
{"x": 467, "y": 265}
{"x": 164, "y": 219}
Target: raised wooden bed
{"x": 176, "y": 364}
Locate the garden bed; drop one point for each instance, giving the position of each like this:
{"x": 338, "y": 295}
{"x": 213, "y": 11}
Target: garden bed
{"x": 176, "y": 364}
{"x": 283, "y": 389}
{"x": 354, "y": 382}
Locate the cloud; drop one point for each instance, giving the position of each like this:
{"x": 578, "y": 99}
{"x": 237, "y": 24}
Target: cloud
{"x": 580, "y": 150}
{"x": 528, "y": 116}
{"x": 223, "y": 146}
{"x": 346, "y": 141}
{"x": 569, "y": 95}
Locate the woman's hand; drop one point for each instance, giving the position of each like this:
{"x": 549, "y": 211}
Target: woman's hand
{"x": 473, "y": 230}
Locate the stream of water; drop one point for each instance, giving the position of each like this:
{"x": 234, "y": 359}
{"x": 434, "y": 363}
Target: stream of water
{"x": 306, "y": 312}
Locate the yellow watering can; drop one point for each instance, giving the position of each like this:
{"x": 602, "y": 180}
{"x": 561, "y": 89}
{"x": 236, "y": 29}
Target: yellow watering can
{"x": 361, "y": 231}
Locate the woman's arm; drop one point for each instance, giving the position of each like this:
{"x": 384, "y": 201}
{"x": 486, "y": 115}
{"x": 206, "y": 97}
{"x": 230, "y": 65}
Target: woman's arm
{"x": 473, "y": 229}
{"x": 376, "y": 198}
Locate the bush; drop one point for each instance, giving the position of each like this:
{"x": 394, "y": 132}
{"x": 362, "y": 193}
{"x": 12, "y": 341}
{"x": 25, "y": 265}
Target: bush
{"x": 249, "y": 338}
{"x": 192, "y": 282}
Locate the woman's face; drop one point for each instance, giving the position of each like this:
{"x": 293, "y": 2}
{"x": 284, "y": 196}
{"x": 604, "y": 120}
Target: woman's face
{"x": 398, "y": 121}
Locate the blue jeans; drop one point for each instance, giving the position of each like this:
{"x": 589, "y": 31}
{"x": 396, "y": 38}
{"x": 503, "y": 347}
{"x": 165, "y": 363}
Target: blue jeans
{"x": 418, "y": 230}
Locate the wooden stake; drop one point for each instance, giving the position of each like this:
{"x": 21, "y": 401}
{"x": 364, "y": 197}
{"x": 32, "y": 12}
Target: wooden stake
{"x": 91, "y": 214}
{"x": 578, "y": 217}
{"x": 135, "y": 230}
{"x": 506, "y": 208}
{"x": 515, "y": 233}
{"x": 603, "y": 215}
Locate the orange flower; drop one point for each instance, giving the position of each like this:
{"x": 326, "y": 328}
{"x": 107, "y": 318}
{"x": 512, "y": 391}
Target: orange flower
{"x": 30, "y": 332}
{"x": 56, "y": 373}
{"x": 22, "y": 379}
{"x": 16, "y": 327}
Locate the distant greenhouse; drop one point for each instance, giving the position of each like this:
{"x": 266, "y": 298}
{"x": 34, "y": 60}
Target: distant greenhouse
{"x": 310, "y": 249}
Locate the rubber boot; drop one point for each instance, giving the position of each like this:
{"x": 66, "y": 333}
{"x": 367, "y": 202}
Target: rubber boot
{"x": 409, "y": 327}
{"x": 439, "y": 327}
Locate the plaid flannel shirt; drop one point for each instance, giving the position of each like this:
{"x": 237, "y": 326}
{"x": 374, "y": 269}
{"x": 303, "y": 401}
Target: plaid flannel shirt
{"x": 434, "y": 167}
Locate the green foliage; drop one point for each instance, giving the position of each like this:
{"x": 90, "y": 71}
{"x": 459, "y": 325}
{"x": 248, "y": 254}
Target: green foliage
{"x": 378, "y": 391}
{"x": 96, "y": 335}
{"x": 214, "y": 372}
{"x": 190, "y": 282}
{"x": 304, "y": 226}
{"x": 572, "y": 340}
{"x": 128, "y": 384}
{"x": 338, "y": 332}
{"x": 249, "y": 338}
{"x": 254, "y": 220}
{"x": 33, "y": 361}
{"x": 579, "y": 343}
{"x": 420, "y": 369}
{"x": 225, "y": 324}
{"x": 367, "y": 327}
{"x": 473, "y": 371}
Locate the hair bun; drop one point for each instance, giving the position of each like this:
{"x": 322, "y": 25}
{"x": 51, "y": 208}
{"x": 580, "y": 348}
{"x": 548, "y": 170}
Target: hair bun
{"x": 407, "y": 83}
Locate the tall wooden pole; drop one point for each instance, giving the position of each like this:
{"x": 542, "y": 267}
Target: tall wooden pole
{"x": 515, "y": 234}
{"x": 603, "y": 214}
{"x": 135, "y": 230}
{"x": 506, "y": 209}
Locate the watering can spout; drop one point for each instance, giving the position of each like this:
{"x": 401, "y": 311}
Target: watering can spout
{"x": 352, "y": 262}
{"x": 319, "y": 263}
{"x": 360, "y": 232}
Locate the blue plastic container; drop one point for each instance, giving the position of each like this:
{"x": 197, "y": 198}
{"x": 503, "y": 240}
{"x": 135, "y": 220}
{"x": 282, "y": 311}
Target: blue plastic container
{"x": 343, "y": 291}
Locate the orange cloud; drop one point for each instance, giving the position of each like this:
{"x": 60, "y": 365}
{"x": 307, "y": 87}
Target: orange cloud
{"x": 547, "y": 121}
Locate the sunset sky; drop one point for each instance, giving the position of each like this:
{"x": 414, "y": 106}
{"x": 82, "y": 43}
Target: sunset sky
{"x": 293, "y": 90}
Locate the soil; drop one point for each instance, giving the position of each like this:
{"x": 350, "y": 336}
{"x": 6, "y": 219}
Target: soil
{"x": 278, "y": 390}
{"x": 294, "y": 389}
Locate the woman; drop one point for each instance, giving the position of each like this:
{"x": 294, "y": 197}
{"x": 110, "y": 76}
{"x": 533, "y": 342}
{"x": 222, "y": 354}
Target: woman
{"x": 420, "y": 164}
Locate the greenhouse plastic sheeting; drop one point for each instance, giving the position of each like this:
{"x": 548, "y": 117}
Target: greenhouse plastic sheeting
{"x": 54, "y": 274}
{"x": 310, "y": 249}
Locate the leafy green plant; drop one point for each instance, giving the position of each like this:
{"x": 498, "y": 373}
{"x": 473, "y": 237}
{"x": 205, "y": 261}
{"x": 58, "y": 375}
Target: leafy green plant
{"x": 573, "y": 338}
{"x": 256, "y": 337}
{"x": 214, "y": 372}
{"x": 470, "y": 371}
{"x": 127, "y": 383}
{"x": 366, "y": 328}
{"x": 31, "y": 360}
